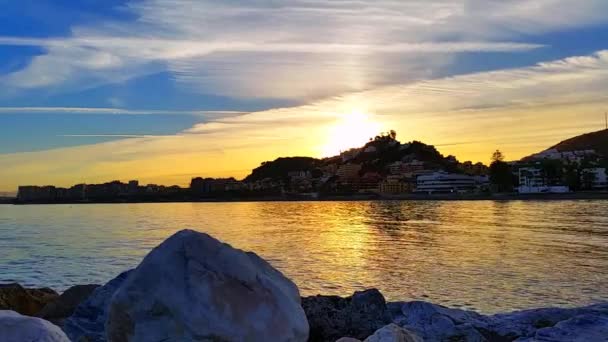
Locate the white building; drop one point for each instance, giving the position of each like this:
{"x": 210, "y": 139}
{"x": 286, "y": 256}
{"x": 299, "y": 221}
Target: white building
{"x": 442, "y": 182}
{"x": 531, "y": 181}
{"x": 569, "y": 156}
{"x": 600, "y": 179}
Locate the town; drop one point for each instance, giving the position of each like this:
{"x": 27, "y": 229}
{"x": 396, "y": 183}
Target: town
{"x": 382, "y": 168}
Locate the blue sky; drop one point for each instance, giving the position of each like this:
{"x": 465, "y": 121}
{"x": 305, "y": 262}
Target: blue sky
{"x": 76, "y": 73}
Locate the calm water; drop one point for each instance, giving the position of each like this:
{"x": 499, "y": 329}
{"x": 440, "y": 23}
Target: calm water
{"x": 489, "y": 256}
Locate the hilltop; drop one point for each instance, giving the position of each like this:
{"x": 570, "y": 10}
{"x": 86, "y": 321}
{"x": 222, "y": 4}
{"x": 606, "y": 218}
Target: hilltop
{"x": 597, "y": 141}
{"x": 374, "y": 157}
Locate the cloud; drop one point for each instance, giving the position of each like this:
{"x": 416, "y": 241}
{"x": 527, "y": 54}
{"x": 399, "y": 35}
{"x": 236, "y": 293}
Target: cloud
{"x": 519, "y": 110}
{"x": 297, "y": 49}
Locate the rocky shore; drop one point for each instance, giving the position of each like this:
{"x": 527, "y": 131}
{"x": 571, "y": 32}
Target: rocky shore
{"x": 193, "y": 287}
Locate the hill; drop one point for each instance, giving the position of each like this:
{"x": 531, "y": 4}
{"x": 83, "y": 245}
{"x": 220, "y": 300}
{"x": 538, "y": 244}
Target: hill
{"x": 279, "y": 168}
{"x": 375, "y": 156}
{"x": 597, "y": 141}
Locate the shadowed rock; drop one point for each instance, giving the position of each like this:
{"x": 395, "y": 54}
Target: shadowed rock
{"x": 193, "y": 287}
{"x": 333, "y": 317}
{"x": 17, "y": 328}
{"x": 25, "y": 301}
{"x": 88, "y": 321}
{"x": 582, "y": 328}
{"x": 64, "y": 305}
{"x": 437, "y": 323}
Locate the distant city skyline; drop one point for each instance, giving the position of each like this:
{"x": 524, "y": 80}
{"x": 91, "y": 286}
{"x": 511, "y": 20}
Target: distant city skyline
{"x": 166, "y": 90}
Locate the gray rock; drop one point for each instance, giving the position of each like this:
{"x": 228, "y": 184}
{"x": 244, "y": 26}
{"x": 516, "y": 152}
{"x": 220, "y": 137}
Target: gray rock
{"x": 525, "y": 323}
{"x": 64, "y": 305}
{"x": 393, "y": 333}
{"x": 16, "y": 328}
{"x": 88, "y": 321}
{"x": 192, "y": 287}
{"x": 437, "y": 323}
{"x": 25, "y": 301}
{"x": 348, "y": 339}
{"x": 582, "y": 328}
{"x": 358, "y": 316}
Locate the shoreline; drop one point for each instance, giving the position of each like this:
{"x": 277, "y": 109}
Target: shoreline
{"x": 338, "y": 198}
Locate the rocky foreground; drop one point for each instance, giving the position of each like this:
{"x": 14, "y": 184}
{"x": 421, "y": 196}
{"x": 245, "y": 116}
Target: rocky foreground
{"x": 192, "y": 287}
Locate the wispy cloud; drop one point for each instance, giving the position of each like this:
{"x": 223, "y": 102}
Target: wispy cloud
{"x": 250, "y": 49}
{"x": 524, "y": 110}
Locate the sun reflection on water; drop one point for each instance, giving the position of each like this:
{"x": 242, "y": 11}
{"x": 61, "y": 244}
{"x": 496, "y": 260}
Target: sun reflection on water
{"x": 489, "y": 256}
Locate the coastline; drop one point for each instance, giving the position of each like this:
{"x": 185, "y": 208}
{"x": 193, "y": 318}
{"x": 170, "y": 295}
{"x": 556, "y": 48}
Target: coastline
{"x": 340, "y": 198}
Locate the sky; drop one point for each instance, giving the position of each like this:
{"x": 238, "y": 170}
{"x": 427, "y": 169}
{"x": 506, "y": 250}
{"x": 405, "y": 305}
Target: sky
{"x": 165, "y": 90}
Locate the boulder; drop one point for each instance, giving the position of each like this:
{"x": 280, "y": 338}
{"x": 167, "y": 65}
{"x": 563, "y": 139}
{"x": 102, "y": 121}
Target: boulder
{"x": 526, "y": 323}
{"x": 434, "y": 322}
{"x": 348, "y": 339}
{"x": 64, "y": 305}
{"x": 25, "y": 301}
{"x": 582, "y": 328}
{"x": 437, "y": 323}
{"x": 87, "y": 323}
{"x": 194, "y": 287}
{"x": 393, "y": 333}
{"x": 15, "y": 328}
{"x": 358, "y": 316}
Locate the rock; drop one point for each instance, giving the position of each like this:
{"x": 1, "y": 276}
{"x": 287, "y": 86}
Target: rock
{"x": 16, "y": 328}
{"x": 526, "y": 323}
{"x": 193, "y": 287}
{"x": 358, "y": 316}
{"x": 64, "y": 305}
{"x": 88, "y": 321}
{"x": 434, "y": 322}
{"x": 437, "y": 323}
{"x": 348, "y": 339}
{"x": 393, "y": 333}
{"x": 582, "y": 328}
{"x": 25, "y": 301}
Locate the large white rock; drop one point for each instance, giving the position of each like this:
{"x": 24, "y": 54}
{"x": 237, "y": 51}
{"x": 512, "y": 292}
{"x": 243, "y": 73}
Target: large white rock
{"x": 193, "y": 287}
{"x": 16, "y": 328}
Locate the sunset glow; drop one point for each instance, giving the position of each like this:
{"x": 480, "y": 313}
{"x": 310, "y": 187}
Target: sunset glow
{"x": 351, "y": 130}
{"x": 138, "y": 89}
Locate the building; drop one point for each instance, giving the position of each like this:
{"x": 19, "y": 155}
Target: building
{"x": 531, "y": 177}
{"x": 394, "y": 185}
{"x": 350, "y": 154}
{"x": 442, "y": 182}
{"x": 567, "y": 156}
{"x": 29, "y": 193}
{"x": 133, "y": 187}
{"x": 370, "y": 182}
{"x": 349, "y": 171}
{"x": 595, "y": 178}
{"x": 532, "y": 181}
{"x": 407, "y": 169}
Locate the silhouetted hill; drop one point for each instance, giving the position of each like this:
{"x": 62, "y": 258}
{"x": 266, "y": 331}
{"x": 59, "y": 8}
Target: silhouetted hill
{"x": 375, "y": 156}
{"x": 597, "y": 141}
{"x": 280, "y": 168}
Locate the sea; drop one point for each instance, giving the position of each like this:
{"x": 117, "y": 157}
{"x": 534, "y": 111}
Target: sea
{"x": 488, "y": 256}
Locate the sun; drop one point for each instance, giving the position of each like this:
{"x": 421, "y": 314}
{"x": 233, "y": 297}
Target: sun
{"x": 351, "y": 130}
